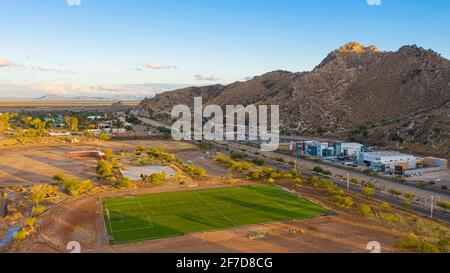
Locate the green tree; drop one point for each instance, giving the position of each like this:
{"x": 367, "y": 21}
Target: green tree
{"x": 115, "y": 163}
{"x": 30, "y": 222}
{"x": 103, "y": 136}
{"x": 26, "y": 121}
{"x": 40, "y": 192}
{"x": 318, "y": 169}
{"x": 76, "y": 187}
{"x": 156, "y": 178}
{"x": 109, "y": 153}
{"x": 368, "y": 191}
{"x": 104, "y": 169}
{"x": 364, "y": 210}
{"x": 71, "y": 123}
{"x": 122, "y": 183}
{"x": 4, "y": 122}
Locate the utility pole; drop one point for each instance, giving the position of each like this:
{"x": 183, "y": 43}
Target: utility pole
{"x": 348, "y": 182}
{"x": 432, "y": 204}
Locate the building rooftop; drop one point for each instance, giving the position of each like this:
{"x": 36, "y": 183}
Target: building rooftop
{"x": 386, "y": 153}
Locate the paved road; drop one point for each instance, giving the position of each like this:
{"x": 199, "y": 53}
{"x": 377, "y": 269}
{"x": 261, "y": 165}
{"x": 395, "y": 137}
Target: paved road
{"x": 379, "y": 196}
{"x": 422, "y": 196}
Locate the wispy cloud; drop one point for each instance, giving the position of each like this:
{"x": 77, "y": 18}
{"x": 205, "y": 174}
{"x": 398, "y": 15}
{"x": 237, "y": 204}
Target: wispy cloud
{"x": 374, "y": 2}
{"x": 153, "y": 65}
{"x": 8, "y": 63}
{"x": 212, "y": 78}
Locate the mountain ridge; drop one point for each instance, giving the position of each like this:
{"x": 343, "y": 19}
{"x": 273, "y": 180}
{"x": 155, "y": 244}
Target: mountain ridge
{"x": 354, "y": 86}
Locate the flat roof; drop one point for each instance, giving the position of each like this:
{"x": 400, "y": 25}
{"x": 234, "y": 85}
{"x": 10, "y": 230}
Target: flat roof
{"x": 386, "y": 153}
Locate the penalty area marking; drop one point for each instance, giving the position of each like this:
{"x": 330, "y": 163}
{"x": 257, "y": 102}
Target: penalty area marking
{"x": 148, "y": 226}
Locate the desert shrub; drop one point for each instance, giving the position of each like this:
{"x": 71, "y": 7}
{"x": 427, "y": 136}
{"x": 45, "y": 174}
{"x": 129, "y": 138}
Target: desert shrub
{"x": 318, "y": 169}
{"x": 297, "y": 181}
{"x": 104, "y": 169}
{"x": 413, "y": 243}
{"x": 199, "y": 172}
{"x": 314, "y": 179}
{"x": 156, "y": 178}
{"x": 21, "y": 235}
{"x": 40, "y": 192}
{"x": 428, "y": 248}
{"x": 122, "y": 183}
{"x": 161, "y": 155}
{"x": 410, "y": 241}
{"x": 77, "y": 187}
{"x": 368, "y": 191}
{"x": 406, "y": 203}
{"x": 408, "y": 195}
{"x": 327, "y": 172}
{"x": 236, "y": 155}
{"x": 109, "y": 153}
{"x": 364, "y": 210}
{"x": 139, "y": 150}
{"x": 295, "y": 173}
{"x": 279, "y": 159}
{"x": 39, "y": 209}
{"x": 385, "y": 206}
{"x": 254, "y": 175}
{"x": 30, "y": 222}
{"x": 444, "y": 204}
{"x": 115, "y": 163}
{"x": 394, "y": 192}
{"x": 390, "y": 218}
{"x": 258, "y": 162}
{"x": 355, "y": 180}
{"x": 240, "y": 166}
{"x": 270, "y": 180}
{"x": 104, "y": 136}
{"x": 292, "y": 163}
{"x": 60, "y": 177}
{"x": 179, "y": 161}
{"x": 342, "y": 201}
{"x": 267, "y": 172}
{"x": 194, "y": 170}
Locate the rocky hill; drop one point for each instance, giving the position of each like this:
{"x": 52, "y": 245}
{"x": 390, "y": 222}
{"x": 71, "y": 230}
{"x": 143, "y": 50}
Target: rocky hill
{"x": 354, "y": 86}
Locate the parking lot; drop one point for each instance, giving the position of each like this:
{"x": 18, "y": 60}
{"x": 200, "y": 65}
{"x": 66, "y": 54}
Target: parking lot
{"x": 444, "y": 176}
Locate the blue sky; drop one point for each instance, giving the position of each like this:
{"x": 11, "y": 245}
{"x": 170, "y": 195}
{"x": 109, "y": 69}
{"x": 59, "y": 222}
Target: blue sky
{"x": 109, "y": 47}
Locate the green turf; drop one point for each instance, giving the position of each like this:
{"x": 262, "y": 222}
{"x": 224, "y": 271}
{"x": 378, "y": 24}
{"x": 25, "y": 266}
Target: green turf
{"x": 170, "y": 214}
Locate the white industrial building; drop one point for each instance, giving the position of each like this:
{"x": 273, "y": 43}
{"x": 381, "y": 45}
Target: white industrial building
{"x": 351, "y": 149}
{"x": 387, "y": 160}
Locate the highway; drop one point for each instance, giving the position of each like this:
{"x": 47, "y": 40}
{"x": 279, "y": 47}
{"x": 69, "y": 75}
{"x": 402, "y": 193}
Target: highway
{"x": 379, "y": 196}
{"x": 423, "y": 196}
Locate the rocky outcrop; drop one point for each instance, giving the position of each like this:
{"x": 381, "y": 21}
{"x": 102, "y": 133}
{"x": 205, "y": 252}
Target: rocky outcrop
{"x": 353, "y": 86}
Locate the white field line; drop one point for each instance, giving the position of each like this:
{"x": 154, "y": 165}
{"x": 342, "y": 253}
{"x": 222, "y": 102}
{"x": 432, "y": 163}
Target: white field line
{"x": 215, "y": 209}
{"x": 109, "y": 221}
{"x": 133, "y": 229}
{"x": 149, "y": 225}
{"x": 146, "y": 215}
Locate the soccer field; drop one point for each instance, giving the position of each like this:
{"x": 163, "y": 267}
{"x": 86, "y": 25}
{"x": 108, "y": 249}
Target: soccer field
{"x": 171, "y": 214}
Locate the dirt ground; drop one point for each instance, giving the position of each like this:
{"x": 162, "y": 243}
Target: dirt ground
{"x": 81, "y": 219}
{"x": 31, "y": 164}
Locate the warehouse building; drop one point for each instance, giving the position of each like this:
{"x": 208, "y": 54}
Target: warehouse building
{"x": 387, "y": 161}
{"x": 329, "y": 149}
